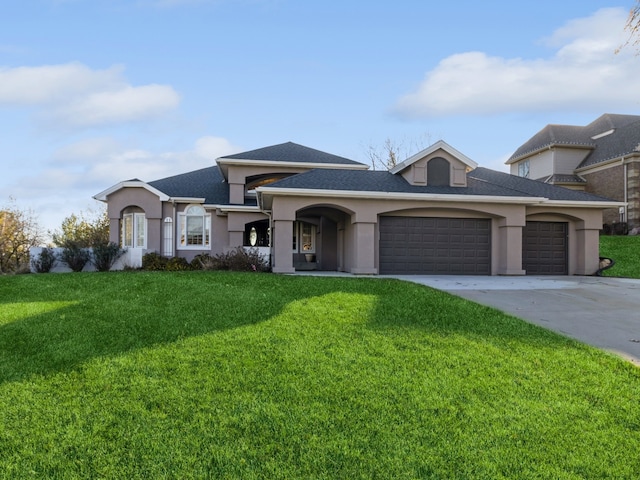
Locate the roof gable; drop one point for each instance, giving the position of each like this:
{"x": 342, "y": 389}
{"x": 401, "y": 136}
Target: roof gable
{"x": 439, "y": 145}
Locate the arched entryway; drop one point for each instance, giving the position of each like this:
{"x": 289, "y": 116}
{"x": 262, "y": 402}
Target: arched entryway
{"x": 318, "y": 239}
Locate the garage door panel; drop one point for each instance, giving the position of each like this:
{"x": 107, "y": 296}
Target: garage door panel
{"x": 446, "y": 246}
{"x": 545, "y": 248}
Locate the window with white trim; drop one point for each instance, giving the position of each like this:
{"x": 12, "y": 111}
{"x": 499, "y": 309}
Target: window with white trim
{"x": 523, "y": 169}
{"x": 134, "y": 230}
{"x": 304, "y": 237}
{"x": 195, "y": 227}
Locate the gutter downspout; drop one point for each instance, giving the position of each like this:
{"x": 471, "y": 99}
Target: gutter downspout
{"x": 625, "y": 170}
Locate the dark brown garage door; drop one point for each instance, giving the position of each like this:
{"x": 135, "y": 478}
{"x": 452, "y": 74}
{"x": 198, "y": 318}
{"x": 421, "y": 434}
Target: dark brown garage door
{"x": 544, "y": 248}
{"x": 435, "y": 246}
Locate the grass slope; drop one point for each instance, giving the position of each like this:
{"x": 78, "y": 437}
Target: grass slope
{"x": 625, "y": 250}
{"x": 223, "y": 375}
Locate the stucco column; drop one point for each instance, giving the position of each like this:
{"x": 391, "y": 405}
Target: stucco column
{"x": 588, "y": 251}
{"x": 507, "y": 246}
{"x": 114, "y": 230}
{"x": 282, "y": 234}
{"x": 510, "y": 250}
{"x": 364, "y": 248}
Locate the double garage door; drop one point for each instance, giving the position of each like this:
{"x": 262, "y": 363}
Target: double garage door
{"x": 435, "y": 246}
{"x": 462, "y": 246}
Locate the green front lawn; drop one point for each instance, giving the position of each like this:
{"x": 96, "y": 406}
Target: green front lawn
{"x": 625, "y": 250}
{"x": 252, "y": 376}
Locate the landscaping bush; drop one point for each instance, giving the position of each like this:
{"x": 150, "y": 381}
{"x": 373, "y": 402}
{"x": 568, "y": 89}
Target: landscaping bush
{"x": 45, "y": 261}
{"x": 178, "y": 264}
{"x": 200, "y": 261}
{"x": 105, "y": 255}
{"x": 238, "y": 260}
{"x": 154, "y": 261}
{"x": 75, "y": 256}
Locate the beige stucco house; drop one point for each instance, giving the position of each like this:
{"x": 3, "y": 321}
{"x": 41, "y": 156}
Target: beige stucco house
{"x": 435, "y": 213}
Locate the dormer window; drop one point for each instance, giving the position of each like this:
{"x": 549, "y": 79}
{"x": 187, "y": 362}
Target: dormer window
{"x": 438, "y": 172}
{"x": 523, "y": 169}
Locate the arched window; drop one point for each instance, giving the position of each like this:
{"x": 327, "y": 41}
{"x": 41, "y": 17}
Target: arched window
{"x": 438, "y": 172}
{"x": 134, "y": 229}
{"x": 195, "y": 227}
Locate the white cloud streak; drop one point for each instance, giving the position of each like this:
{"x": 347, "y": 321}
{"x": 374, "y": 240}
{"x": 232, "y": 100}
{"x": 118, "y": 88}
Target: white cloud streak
{"x": 74, "y": 95}
{"x": 583, "y": 73}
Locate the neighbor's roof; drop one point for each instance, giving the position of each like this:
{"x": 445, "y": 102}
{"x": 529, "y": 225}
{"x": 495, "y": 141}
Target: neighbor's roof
{"x": 481, "y": 181}
{"x": 609, "y": 136}
{"x": 290, "y": 152}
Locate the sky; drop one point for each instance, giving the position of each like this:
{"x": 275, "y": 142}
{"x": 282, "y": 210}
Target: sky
{"x": 94, "y": 92}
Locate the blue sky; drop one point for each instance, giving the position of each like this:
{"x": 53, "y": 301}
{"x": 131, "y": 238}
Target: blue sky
{"x": 93, "y": 92}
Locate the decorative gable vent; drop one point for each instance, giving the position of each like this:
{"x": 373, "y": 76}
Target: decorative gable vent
{"x": 437, "y": 165}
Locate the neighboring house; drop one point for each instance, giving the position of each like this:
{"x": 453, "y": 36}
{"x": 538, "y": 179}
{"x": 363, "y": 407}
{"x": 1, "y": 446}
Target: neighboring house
{"x": 602, "y": 158}
{"x": 434, "y": 213}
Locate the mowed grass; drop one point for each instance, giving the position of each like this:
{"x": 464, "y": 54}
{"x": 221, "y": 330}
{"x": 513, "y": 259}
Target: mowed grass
{"x": 227, "y": 375}
{"x": 625, "y": 250}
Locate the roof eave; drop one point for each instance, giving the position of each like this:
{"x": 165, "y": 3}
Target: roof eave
{"x": 310, "y": 165}
{"x": 549, "y": 146}
{"x": 262, "y": 191}
{"x": 102, "y": 196}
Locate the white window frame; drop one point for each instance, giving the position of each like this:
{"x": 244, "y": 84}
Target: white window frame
{"x": 167, "y": 237}
{"x": 194, "y": 212}
{"x": 134, "y": 230}
{"x": 524, "y": 169}
{"x": 299, "y": 244}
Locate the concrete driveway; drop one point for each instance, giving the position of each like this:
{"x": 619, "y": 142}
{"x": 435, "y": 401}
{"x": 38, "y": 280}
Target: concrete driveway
{"x": 601, "y": 311}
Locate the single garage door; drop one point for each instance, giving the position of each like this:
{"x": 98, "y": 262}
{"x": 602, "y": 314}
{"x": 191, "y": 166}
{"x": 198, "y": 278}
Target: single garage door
{"x": 545, "y": 248}
{"x": 435, "y": 246}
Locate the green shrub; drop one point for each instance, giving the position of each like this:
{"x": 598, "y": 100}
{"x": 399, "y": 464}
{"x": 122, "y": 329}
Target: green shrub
{"x": 75, "y": 256}
{"x": 238, "y": 260}
{"x": 105, "y": 255}
{"x": 45, "y": 261}
{"x": 200, "y": 261}
{"x": 178, "y": 264}
{"x": 154, "y": 261}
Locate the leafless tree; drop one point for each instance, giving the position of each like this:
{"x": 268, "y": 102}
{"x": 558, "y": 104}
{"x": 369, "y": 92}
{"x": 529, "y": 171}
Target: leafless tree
{"x": 392, "y": 151}
{"x": 633, "y": 28}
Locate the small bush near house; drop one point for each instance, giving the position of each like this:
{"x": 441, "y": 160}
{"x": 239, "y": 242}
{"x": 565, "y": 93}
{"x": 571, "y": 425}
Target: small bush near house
{"x": 238, "y": 260}
{"x": 75, "y": 256}
{"x": 154, "y": 261}
{"x": 45, "y": 261}
{"x": 178, "y": 264}
{"x": 200, "y": 260}
{"x": 105, "y": 255}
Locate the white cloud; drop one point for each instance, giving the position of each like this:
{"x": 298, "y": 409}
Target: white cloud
{"x": 123, "y": 105}
{"x": 583, "y": 73}
{"x": 74, "y": 95}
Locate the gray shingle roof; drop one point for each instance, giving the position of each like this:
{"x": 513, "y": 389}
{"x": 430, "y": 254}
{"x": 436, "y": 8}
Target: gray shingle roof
{"x": 480, "y": 181}
{"x": 291, "y": 152}
{"x": 623, "y": 141}
{"x": 207, "y": 183}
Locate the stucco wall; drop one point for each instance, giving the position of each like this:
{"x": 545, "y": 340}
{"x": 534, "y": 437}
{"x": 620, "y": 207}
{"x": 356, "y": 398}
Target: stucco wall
{"x": 360, "y": 243}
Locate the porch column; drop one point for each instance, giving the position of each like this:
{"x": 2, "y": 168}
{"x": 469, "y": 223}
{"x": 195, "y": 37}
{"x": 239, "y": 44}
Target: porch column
{"x": 587, "y": 251}
{"x": 364, "y": 248}
{"x": 509, "y": 244}
{"x": 281, "y": 235}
